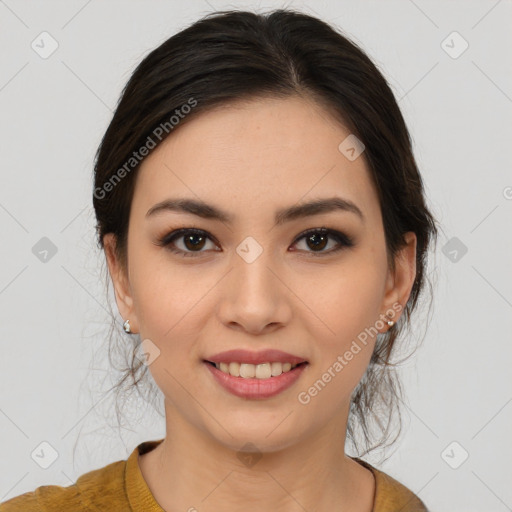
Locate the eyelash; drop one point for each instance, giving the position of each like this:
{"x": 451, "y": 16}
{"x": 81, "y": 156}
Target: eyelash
{"x": 343, "y": 240}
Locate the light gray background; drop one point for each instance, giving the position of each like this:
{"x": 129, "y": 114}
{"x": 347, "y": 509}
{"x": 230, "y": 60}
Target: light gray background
{"x": 53, "y": 319}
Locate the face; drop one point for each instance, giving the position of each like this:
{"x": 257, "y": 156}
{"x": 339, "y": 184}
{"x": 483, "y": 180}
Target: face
{"x": 306, "y": 282}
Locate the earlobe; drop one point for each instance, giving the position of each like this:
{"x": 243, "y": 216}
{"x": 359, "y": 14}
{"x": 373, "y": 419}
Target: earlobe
{"x": 119, "y": 277}
{"x": 401, "y": 279}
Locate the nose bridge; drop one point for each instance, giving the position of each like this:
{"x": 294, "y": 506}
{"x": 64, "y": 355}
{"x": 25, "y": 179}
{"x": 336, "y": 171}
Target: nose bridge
{"x": 251, "y": 270}
{"x": 253, "y": 296}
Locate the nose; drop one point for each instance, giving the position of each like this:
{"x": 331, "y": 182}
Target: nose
{"x": 254, "y": 297}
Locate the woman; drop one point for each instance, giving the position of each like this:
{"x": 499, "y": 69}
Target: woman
{"x": 265, "y": 229}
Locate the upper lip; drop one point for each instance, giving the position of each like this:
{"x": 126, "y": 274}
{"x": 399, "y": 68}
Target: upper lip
{"x": 250, "y": 357}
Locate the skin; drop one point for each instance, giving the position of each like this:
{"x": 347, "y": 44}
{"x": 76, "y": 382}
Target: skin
{"x": 251, "y": 159}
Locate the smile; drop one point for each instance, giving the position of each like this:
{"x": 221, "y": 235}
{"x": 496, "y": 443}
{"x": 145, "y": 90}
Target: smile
{"x": 258, "y": 371}
{"x": 249, "y": 386}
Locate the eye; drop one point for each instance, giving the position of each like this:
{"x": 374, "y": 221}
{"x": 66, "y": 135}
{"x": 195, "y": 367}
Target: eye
{"x": 187, "y": 241}
{"x": 191, "y": 241}
{"x": 318, "y": 239}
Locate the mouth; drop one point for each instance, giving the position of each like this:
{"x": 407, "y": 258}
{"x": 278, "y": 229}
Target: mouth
{"x": 260, "y": 371}
{"x": 255, "y": 381}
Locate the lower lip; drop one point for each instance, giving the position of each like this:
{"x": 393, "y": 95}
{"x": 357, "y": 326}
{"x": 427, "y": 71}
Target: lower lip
{"x": 256, "y": 388}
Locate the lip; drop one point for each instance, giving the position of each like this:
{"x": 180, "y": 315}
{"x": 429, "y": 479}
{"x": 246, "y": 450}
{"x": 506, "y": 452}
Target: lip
{"x": 249, "y": 357}
{"x": 256, "y": 389}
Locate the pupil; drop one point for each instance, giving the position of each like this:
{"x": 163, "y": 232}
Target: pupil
{"x": 318, "y": 244}
{"x": 194, "y": 245}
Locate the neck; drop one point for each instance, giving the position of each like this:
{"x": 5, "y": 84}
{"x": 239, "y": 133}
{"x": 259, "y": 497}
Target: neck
{"x": 189, "y": 470}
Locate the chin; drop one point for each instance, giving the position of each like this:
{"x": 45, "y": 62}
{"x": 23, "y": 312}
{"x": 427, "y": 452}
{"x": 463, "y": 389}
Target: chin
{"x": 259, "y": 436}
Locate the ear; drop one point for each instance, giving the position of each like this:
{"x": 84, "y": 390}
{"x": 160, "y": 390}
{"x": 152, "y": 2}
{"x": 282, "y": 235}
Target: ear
{"x": 120, "y": 281}
{"x": 400, "y": 280}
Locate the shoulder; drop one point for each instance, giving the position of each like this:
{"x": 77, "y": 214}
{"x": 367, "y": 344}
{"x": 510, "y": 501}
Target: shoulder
{"x": 391, "y": 495}
{"x": 101, "y": 488}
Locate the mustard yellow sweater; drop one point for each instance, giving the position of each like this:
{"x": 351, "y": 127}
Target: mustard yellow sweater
{"x": 120, "y": 487}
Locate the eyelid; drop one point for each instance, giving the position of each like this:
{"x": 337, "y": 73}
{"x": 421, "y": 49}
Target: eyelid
{"x": 344, "y": 241}
{"x": 334, "y": 233}
{"x": 175, "y": 233}
{"x": 167, "y": 240}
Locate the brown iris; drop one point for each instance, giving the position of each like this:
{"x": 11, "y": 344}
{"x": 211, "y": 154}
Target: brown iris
{"x": 319, "y": 241}
{"x": 194, "y": 241}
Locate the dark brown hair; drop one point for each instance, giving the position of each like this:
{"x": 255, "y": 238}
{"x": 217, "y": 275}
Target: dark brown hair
{"x": 236, "y": 55}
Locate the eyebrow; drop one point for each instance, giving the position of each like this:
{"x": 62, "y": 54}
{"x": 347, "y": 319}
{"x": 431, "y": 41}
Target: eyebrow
{"x": 207, "y": 211}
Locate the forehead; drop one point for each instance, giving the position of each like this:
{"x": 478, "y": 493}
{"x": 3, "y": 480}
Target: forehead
{"x": 256, "y": 155}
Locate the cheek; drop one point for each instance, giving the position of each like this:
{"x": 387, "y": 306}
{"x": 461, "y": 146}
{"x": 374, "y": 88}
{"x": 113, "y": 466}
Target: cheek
{"x": 166, "y": 298}
{"x": 348, "y": 299}
{"x": 169, "y": 309}
{"x": 344, "y": 340}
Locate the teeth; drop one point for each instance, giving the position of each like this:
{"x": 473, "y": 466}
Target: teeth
{"x": 258, "y": 371}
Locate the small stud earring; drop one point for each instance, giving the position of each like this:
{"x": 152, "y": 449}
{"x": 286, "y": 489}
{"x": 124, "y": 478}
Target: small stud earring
{"x": 391, "y": 323}
{"x": 126, "y": 327}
